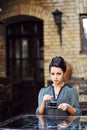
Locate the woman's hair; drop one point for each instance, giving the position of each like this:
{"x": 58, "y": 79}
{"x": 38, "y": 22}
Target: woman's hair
{"x": 58, "y": 61}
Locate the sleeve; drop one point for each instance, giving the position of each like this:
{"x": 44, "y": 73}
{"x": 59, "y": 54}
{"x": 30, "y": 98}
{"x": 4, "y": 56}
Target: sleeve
{"x": 75, "y": 101}
{"x": 40, "y": 99}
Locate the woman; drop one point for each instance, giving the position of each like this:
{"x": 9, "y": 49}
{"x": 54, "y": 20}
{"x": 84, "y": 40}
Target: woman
{"x": 65, "y": 96}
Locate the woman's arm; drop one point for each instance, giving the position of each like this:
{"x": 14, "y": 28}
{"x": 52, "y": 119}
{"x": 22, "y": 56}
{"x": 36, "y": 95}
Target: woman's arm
{"x": 42, "y": 99}
{"x": 68, "y": 107}
{"x": 42, "y": 106}
{"x": 75, "y": 100}
{"x": 73, "y": 108}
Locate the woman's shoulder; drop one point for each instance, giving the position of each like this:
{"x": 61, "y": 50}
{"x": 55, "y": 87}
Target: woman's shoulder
{"x": 46, "y": 88}
{"x": 70, "y": 87}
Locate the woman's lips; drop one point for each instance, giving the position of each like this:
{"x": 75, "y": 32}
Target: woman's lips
{"x": 55, "y": 80}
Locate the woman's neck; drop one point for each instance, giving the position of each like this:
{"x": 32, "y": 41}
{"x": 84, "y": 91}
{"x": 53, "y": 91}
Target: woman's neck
{"x": 58, "y": 86}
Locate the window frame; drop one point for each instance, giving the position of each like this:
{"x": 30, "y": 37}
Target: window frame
{"x": 82, "y": 51}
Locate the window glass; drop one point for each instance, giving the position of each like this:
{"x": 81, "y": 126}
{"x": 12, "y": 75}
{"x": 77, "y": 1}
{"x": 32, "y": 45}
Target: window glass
{"x": 17, "y": 68}
{"x": 85, "y": 33}
{"x": 24, "y": 48}
{"x": 17, "y": 48}
{"x": 11, "y": 47}
{"x": 27, "y": 69}
{"x": 28, "y": 28}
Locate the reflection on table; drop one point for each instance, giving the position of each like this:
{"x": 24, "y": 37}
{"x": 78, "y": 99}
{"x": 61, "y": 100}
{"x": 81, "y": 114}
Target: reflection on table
{"x": 45, "y": 122}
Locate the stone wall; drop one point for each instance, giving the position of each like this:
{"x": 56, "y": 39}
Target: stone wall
{"x": 71, "y": 43}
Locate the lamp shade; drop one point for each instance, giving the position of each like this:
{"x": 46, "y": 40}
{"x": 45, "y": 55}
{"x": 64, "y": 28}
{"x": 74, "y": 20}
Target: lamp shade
{"x": 57, "y": 16}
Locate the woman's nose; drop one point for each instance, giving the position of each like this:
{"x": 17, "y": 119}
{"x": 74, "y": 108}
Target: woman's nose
{"x": 55, "y": 75}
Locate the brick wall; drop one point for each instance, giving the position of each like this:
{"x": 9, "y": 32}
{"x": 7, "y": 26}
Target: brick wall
{"x": 71, "y": 43}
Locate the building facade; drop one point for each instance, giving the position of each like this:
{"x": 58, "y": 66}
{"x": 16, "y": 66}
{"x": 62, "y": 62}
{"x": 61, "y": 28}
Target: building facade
{"x": 71, "y": 38}
{"x": 31, "y": 21}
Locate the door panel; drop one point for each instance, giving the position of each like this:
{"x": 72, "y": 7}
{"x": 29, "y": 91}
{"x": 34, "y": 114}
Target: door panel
{"x": 24, "y": 55}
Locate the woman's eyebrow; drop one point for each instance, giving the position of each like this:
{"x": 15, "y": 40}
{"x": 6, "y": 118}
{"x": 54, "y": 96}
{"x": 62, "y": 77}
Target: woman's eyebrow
{"x": 58, "y": 72}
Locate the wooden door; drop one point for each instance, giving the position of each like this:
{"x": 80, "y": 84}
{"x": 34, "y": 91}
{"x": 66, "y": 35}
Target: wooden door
{"x": 25, "y": 63}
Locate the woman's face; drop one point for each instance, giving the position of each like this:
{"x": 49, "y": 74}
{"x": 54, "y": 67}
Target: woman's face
{"x": 57, "y": 75}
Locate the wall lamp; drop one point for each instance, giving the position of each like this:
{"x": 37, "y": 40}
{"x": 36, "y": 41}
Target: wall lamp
{"x": 58, "y": 21}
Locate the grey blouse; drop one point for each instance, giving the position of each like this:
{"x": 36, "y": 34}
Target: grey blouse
{"x": 67, "y": 94}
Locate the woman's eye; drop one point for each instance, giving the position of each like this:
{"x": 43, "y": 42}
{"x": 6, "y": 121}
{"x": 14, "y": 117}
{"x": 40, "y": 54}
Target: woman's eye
{"x": 58, "y": 73}
{"x": 52, "y": 73}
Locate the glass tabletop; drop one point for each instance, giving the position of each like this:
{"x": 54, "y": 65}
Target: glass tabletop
{"x": 31, "y": 122}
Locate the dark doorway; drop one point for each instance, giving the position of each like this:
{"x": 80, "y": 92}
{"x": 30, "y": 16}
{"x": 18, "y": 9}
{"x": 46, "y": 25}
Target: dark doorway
{"x": 24, "y": 47}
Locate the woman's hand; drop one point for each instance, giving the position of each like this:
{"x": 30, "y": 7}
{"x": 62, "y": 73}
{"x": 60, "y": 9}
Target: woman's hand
{"x": 47, "y": 98}
{"x": 63, "y": 106}
{"x": 68, "y": 107}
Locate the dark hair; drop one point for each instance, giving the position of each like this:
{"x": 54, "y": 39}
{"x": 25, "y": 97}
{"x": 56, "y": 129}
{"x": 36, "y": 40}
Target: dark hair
{"x": 58, "y": 61}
